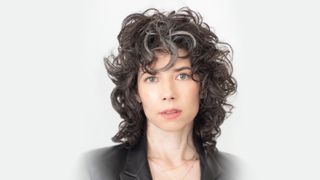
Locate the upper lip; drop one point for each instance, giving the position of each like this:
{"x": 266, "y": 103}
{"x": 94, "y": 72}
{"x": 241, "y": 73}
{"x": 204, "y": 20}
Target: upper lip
{"x": 172, "y": 110}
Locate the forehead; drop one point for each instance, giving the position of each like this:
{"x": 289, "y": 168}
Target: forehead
{"x": 162, "y": 59}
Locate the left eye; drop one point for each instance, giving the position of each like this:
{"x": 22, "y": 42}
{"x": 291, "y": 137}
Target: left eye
{"x": 183, "y": 76}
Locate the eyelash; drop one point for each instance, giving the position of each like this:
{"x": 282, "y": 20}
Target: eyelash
{"x": 185, "y": 74}
{"x": 147, "y": 79}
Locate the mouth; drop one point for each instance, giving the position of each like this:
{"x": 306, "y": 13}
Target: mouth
{"x": 170, "y": 113}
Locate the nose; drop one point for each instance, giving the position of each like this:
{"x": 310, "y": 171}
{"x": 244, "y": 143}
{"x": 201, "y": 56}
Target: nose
{"x": 168, "y": 91}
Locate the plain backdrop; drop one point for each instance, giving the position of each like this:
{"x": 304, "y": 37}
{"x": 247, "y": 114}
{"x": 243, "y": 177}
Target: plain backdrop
{"x": 55, "y": 93}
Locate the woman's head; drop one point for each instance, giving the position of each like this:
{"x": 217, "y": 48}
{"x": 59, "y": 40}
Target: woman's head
{"x": 170, "y": 98}
{"x": 151, "y": 46}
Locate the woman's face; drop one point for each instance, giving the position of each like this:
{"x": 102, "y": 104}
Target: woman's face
{"x": 170, "y": 98}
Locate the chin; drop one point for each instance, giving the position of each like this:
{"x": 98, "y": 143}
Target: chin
{"x": 173, "y": 126}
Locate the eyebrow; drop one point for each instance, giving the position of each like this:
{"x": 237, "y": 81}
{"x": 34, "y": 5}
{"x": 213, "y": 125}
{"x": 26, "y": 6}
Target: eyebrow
{"x": 175, "y": 70}
{"x": 182, "y": 68}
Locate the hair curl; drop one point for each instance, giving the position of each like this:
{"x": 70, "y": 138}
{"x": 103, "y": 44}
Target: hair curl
{"x": 143, "y": 34}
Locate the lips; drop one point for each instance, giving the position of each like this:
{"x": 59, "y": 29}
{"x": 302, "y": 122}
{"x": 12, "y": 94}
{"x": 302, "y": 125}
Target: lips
{"x": 170, "y": 113}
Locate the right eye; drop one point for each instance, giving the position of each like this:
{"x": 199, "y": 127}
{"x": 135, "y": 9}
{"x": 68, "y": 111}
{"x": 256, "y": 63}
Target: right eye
{"x": 151, "y": 79}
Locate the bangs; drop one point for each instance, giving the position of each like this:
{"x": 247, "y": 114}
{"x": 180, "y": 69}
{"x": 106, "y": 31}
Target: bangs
{"x": 168, "y": 44}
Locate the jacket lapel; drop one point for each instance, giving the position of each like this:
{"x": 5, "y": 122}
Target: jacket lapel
{"x": 137, "y": 166}
{"x": 209, "y": 166}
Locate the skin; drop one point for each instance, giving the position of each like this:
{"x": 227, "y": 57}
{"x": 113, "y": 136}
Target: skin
{"x": 170, "y": 141}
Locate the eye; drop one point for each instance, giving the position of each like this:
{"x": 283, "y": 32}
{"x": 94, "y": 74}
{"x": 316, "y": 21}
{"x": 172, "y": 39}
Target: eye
{"x": 183, "y": 76}
{"x": 151, "y": 79}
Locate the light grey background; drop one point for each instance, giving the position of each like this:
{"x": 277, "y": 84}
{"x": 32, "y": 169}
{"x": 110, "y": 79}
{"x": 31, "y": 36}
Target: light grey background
{"x": 54, "y": 100}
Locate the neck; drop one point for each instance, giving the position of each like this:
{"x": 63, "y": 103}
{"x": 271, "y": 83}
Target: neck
{"x": 174, "y": 146}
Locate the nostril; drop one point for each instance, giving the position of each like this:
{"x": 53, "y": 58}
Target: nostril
{"x": 171, "y": 98}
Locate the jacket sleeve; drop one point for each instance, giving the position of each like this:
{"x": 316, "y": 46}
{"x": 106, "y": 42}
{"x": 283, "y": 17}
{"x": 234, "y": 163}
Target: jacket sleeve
{"x": 102, "y": 164}
{"x": 231, "y": 165}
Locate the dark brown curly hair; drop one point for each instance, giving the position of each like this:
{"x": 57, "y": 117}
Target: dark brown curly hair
{"x": 141, "y": 36}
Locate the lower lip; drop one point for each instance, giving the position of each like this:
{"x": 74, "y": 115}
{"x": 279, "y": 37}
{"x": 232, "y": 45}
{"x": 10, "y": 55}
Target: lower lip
{"x": 171, "y": 115}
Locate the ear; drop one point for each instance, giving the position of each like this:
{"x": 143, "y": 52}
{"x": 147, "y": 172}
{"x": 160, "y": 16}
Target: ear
{"x": 138, "y": 98}
{"x": 201, "y": 94}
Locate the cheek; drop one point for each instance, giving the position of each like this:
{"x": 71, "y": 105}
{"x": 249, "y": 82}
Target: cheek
{"x": 148, "y": 97}
{"x": 192, "y": 93}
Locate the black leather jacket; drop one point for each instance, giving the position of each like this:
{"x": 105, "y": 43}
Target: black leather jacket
{"x": 116, "y": 162}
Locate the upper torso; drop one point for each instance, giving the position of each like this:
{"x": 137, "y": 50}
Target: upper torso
{"x": 119, "y": 163}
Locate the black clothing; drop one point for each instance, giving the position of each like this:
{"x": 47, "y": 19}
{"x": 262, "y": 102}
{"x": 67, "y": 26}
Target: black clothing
{"x": 119, "y": 163}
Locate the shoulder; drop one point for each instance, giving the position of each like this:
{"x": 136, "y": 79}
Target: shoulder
{"x": 106, "y": 154}
{"x": 226, "y": 160}
{"x": 104, "y": 163}
{"x": 229, "y": 165}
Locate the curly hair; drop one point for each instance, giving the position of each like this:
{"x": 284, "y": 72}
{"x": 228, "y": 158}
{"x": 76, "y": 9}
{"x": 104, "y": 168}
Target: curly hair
{"x": 141, "y": 36}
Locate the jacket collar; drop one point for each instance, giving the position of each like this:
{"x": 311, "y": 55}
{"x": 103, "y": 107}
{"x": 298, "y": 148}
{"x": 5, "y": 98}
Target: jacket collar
{"x": 137, "y": 166}
{"x": 209, "y": 166}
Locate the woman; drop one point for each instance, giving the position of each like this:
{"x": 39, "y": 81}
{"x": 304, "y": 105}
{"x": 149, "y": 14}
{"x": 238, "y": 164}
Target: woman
{"x": 172, "y": 79}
